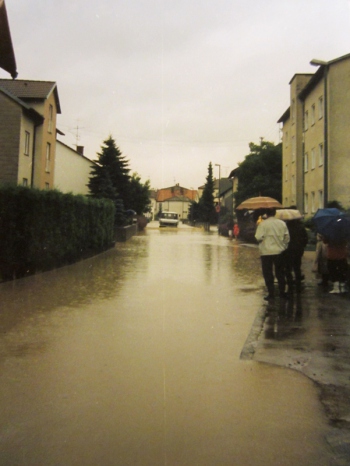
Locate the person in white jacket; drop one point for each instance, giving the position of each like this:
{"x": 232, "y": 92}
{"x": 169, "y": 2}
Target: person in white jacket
{"x": 273, "y": 238}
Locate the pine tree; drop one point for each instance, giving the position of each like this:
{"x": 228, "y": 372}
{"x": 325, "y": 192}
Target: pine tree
{"x": 206, "y": 203}
{"x": 111, "y": 170}
{"x": 110, "y": 177}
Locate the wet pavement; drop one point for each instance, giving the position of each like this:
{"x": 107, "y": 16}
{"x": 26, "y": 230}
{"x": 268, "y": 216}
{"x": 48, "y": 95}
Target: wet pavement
{"x": 134, "y": 357}
{"x": 311, "y": 334}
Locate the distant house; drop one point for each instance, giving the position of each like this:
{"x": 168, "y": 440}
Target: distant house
{"x": 176, "y": 199}
{"x": 226, "y": 194}
{"x": 72, "y": 169}
{"x": 28, "y": 111}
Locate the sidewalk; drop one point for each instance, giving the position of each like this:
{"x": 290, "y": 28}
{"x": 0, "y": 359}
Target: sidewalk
{"x": 311, "y": 334}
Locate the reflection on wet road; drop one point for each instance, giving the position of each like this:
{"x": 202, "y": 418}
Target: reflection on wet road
{"x": 132, "y": 358}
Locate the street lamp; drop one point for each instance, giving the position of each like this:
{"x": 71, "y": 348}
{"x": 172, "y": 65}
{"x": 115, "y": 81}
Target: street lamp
{"x": 324, "y": 64}
{"x": 218, "y": 165}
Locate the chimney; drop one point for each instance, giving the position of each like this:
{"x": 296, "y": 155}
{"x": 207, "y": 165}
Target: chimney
{"x": 80, "y": 150}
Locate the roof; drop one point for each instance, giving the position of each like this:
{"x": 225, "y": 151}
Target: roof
{"x": 93, "y": 162}
{"x": 31, "y": 90}
{"x": 225, "y": 185}
{"x": 177, "y": 193}
{"x": 28, "y": 110}
{"x": 234, "y": 172}
{"x": 285, "y": 116}
{"x": 316, "y": 78}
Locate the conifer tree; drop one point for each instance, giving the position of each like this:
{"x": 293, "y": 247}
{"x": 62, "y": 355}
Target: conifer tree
{"x": 110, "y": 175}
{"x": 206, "y": 203}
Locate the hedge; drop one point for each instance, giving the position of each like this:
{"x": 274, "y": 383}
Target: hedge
{"x": 41, "y": 230}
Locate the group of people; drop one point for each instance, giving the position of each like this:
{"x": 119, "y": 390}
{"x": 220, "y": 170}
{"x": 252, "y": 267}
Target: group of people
{"x": 282, "y": 245}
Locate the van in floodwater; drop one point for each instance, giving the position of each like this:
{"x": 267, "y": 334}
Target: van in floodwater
{"x": 168, "y": 219}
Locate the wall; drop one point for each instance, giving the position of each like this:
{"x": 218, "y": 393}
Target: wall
{"x": 10, "y": 118}
{"x": 72, "y": 170}
{"x": 339, "y": 134}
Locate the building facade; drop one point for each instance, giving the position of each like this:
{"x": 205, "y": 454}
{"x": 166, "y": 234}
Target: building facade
{"x": 176, "y": 199}
{"x": 72, "y": 169}
{"x": 316, "y": 139}
{"x": 28, "y": 112}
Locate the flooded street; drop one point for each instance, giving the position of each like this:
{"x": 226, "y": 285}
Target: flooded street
{"x": 132, "y": 358}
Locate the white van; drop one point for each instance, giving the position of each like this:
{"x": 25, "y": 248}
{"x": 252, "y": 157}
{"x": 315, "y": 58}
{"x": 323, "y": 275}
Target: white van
{"x": 168, "y": 218}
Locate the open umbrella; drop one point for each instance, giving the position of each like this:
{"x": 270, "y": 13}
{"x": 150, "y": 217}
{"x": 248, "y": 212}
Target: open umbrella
{"x": 332, "y": 224}
{"x": 259, "y": 202}
{"x": 288, "y": 214}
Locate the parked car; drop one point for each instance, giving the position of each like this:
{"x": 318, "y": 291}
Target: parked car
{"x": 168, "y": 219}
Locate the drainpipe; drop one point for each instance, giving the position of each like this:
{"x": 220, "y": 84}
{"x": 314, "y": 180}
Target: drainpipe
{"x": 33, "y": 154}
{"x": 325, "y": 189}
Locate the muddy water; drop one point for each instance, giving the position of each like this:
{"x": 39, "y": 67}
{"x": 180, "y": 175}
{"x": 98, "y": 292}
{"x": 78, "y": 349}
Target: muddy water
{"x": 132, "y": 358}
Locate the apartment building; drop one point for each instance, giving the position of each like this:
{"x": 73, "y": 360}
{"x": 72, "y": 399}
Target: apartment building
{"x": 316, "y": 137}
{"x": 28, "y": 111}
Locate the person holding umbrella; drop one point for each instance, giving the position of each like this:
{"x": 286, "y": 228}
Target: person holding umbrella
{"x": 334, "y": 226}
{"x": 273, "y": 238}
{"x": 337, "y": 264}
{"x": 298, "y": 240}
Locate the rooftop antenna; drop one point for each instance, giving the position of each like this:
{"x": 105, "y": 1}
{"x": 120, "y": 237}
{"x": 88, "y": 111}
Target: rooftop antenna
{"x": 77, "y": 135}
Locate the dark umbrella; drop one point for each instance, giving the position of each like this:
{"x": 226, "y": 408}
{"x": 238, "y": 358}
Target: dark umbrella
{"x": 332, "y": 224}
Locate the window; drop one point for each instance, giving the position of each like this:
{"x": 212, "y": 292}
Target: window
{"x": 320, "y": 199}
{"x": 313, "y": 208}
{"x": 320, "y": 155}
{"x": 25, "y": 182}
{"x": 48, "y": 157}
{"x": 306, "y": 203}
{"x": 26, "y": 143}
{"x": 306, "y": 120}
{"x": 50, "y": 124}
{"x": 313, "y": 158}
{"x": 306, "y": 162}
{"x": 47, "y": 185}
{"x": 320, "y": 107}
{"x": 312, "y": 114}
{"x": 293, "y": 149}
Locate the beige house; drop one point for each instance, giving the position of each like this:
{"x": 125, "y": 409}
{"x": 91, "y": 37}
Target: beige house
{"x": 28, "y": 111}
{"x": 72, "y": 169}
{"x": 316, "y": 137}
{"x": 176, "y": 199}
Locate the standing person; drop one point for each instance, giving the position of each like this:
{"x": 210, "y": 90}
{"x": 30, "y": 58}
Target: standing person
{"x": 320, "y": 263}
{"x": 337, "y": 264}
{"x": 294, "y": 253}
{"x": 273, "y": 238}
{"x": 236, "y": 231}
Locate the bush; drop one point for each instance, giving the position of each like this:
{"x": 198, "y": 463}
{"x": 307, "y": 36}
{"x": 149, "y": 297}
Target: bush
{"x": 41, "y": 230}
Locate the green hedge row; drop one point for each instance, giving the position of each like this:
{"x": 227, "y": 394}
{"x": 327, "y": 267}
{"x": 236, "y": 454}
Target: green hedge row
{"x": 41, "y": 230}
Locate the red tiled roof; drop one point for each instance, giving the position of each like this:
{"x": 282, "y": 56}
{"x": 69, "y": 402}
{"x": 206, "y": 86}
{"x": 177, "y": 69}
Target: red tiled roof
{"x": 176, "y": 192}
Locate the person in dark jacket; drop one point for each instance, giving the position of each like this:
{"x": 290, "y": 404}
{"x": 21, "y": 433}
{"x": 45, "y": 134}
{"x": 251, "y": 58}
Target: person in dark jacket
{"x": 294, "y": 253}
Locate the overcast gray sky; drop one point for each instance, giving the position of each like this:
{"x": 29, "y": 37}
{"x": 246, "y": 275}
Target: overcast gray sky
{"x": 177, "y": 83}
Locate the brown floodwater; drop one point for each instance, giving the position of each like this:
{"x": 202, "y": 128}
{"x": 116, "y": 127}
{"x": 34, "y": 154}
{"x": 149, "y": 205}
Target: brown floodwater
{"x": 132, "y": 358}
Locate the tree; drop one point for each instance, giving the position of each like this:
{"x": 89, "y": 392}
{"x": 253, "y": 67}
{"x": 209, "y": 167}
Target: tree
{"x": 206, "y": 203}
{"x": 139, "y": 195}
{"x": 110, "y": 175}
{"x": 260, "y": 174}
